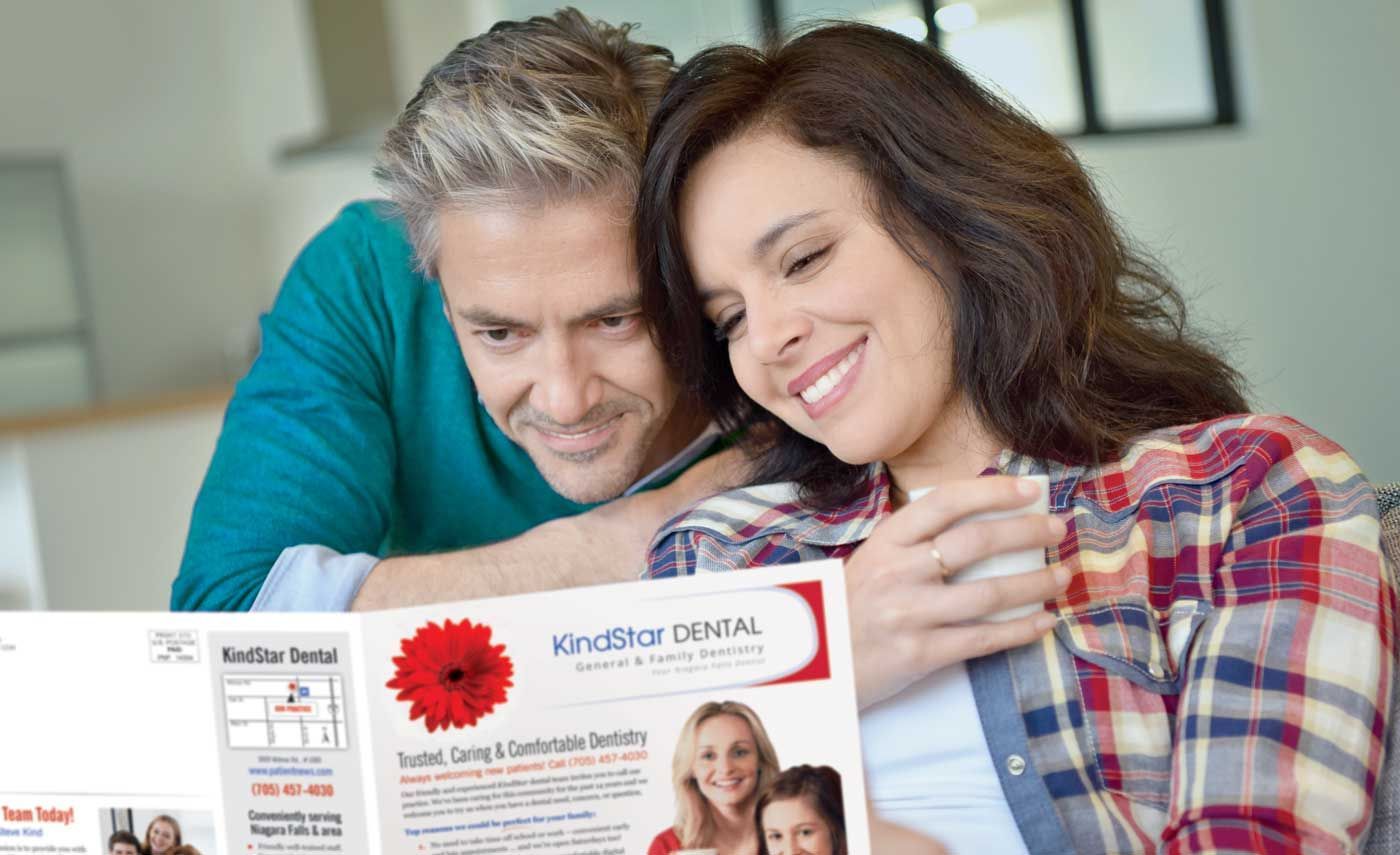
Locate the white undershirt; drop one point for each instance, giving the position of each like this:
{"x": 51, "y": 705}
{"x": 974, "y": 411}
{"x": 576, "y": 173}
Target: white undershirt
{"x": 928, "y": 767}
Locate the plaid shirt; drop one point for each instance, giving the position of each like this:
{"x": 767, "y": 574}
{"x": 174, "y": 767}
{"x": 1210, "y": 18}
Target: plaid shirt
{"x": 1219, "y": 677}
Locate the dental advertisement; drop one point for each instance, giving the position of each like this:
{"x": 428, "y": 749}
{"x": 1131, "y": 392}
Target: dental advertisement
{"x": 637, "y": 718}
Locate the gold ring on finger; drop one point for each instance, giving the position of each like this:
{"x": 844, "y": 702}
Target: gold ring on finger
{"x": 944, "y": 571}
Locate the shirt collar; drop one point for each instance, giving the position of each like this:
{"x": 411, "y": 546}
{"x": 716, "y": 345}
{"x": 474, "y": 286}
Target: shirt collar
{"x": 680, "y": 460}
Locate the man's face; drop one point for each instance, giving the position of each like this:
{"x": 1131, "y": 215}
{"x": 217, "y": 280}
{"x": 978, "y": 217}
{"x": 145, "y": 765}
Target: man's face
{"x": 124, "y": 849}
{"x": 545, "y": 304}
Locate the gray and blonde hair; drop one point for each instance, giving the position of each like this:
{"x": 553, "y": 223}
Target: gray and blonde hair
{"x": 550, "y": 108}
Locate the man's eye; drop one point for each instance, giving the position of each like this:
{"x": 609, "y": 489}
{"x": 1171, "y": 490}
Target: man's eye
{"x": 497, "y": 336}
{"x": 619, "y": 323}
{"x": 806, "y": 261}
{"x": 726, "y": 328}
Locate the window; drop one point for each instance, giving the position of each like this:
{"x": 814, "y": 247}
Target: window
{"x": 45, "y": 338}
{"x": 1080, "y": 67}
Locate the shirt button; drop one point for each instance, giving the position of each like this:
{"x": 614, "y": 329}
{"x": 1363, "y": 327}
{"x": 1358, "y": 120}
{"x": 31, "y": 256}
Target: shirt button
{"x": 1016, "y": 764}
{"x": 1156, "y": 671}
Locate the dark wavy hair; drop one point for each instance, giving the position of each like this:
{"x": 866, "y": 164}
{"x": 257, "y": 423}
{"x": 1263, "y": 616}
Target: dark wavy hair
{"x": 1067, "y": 341}
{"x": 820, "y": 787}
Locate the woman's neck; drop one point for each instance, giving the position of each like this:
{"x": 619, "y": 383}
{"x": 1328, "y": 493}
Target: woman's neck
{"x": 957, "y": 446}
{"x": 734, "y": 830}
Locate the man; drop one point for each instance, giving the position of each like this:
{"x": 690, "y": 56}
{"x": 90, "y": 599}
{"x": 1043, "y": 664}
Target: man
{"x": 123, "y": 843}
{"x": 457, "y": 380}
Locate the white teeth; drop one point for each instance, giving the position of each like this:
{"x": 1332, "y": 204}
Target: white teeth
{"x": 828, "y": 381}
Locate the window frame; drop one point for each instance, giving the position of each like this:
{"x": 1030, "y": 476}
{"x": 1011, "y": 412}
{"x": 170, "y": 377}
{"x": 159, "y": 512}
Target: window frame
{"x": 1222, "y": 75}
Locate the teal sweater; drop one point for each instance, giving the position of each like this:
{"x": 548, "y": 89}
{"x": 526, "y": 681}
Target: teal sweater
{"x": 357, "y": 428}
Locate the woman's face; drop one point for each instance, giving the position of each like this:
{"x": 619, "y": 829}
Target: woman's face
{"x": 794, "y": 827}
{"x": 161, "y": 836}
{"x": 830, "y": 325}
{"x": 726, "y": 761}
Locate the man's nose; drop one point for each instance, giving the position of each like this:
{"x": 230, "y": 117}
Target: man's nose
{"x": 568, "y": 386}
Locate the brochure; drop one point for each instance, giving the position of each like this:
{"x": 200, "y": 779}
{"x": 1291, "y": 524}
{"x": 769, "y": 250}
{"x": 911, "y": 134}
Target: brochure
{"x": 574, "y": 721}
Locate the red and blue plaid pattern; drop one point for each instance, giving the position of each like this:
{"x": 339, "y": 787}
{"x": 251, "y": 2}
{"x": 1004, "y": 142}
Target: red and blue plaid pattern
{"x": 1220, "y": 674}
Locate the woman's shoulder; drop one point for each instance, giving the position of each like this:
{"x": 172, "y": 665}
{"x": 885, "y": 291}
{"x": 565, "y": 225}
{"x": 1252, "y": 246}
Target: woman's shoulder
{"x": 1247, "y": 450}
{"x": 664, "y": 843}
{"x": 720, "y": 525}
{"x": 762, "y": 525}
{"x": 731, "y": 515}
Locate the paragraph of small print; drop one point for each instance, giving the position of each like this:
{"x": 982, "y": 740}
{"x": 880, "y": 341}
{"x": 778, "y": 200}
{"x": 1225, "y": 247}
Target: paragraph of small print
{"x": 170, "y": 646}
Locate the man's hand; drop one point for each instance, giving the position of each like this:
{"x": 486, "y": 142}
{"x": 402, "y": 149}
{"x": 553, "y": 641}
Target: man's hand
{"x": 907, "y": 622}
{"x": 606, "y": 544}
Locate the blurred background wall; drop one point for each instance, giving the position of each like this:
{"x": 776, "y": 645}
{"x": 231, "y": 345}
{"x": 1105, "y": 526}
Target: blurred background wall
{"x": 162, "y": 163}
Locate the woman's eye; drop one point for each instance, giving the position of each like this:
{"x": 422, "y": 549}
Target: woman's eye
{"x": 806, "y": 261}
{"x": 724, "y": 329}
{"x": 497, "y": 335}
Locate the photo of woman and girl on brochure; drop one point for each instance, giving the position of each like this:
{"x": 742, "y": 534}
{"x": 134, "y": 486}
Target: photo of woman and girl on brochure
{"x": 732, "y": 796}
{"x": 164, "y": 835}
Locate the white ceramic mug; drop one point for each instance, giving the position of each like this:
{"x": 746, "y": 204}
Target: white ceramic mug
{"x": 1010, "y": 563}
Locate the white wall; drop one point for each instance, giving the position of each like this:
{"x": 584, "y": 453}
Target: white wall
{"x": 21, "y": 574}
{"x": 111, "y": 504}
{"x": 1285, "y": 228}
{"x": 168, "y": 116}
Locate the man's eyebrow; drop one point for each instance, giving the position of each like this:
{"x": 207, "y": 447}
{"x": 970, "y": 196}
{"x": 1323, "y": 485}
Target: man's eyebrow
{"x": 483, "y": 317}
{"x": 777, "y": 230}
{"x": 612, "y": 308}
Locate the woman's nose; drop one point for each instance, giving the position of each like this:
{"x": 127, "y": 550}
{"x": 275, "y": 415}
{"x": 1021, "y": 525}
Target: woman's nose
{"x": 773, "y": 329}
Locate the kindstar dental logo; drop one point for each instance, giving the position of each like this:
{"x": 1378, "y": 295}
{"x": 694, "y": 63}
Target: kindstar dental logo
{"x": 612, "y": 640}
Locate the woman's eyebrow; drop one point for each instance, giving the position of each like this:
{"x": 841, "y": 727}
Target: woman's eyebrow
{"x": 765, "y": 242}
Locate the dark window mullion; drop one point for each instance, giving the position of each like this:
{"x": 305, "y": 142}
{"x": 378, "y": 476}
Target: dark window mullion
{"x": 770, "y": 20}
{"x": 1079, "y": 15}
{"x": 1221, "y": 72}
{"x": 928, "y": 8}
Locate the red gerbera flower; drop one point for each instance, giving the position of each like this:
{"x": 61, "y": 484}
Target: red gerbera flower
{"x": 452, "y": 674}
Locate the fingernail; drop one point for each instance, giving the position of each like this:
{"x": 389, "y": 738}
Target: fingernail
{"x": 1027, "y": 487}
{"x": 1045, "y": 621}
{"x": 1061, "y": 575}
{"x": 1058, "y": 528}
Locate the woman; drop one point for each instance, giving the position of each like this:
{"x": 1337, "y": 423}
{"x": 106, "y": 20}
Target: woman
{"x": 723, "y": 760}
{"x": 895, "y": 281}
{"x": 801, "y": 813}
{"x": 162, "y": 835}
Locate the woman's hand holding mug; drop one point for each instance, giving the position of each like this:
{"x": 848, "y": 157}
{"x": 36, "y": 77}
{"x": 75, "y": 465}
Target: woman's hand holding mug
{"x": 907, "y": 621}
